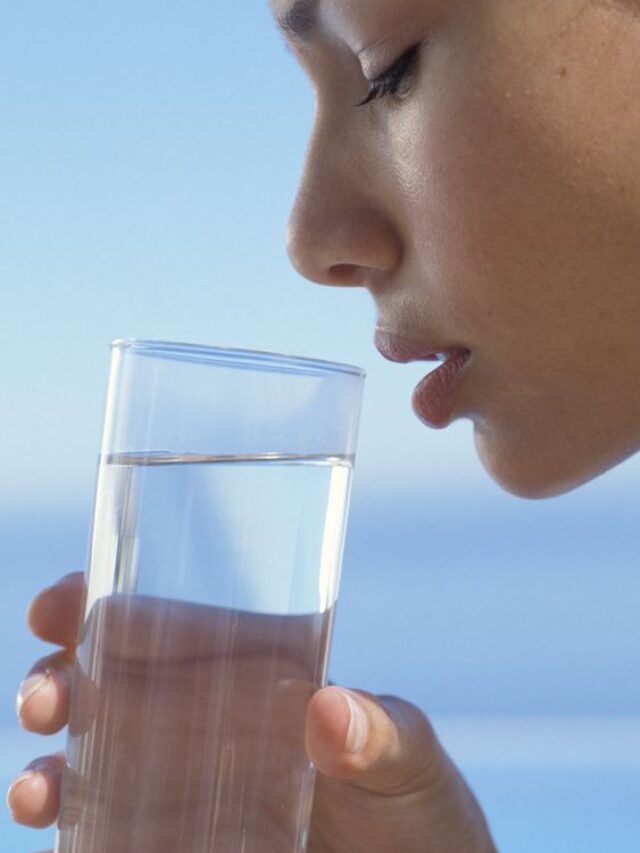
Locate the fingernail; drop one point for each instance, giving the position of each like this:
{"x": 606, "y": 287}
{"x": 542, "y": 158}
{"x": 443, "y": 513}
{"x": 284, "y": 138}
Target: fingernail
{"x": 358, "y": 732}
{"x": 23, "y": 777}
{"x": 30, "y": 686}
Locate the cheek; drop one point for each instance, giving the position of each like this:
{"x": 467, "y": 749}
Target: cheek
{"x": 518, "y": 205}
{"x": 524, "y": 225}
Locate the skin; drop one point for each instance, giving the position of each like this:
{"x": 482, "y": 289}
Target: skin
{"x": 495, "y": 206}
{"x": 397, "y": 791}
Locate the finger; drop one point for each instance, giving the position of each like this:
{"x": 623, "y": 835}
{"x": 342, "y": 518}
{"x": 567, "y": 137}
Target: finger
{"x": 55, "y": 612}
{"x": 42, "y": 704}
{"x": 34, "y": 796}
{"x": 382, "y": 745}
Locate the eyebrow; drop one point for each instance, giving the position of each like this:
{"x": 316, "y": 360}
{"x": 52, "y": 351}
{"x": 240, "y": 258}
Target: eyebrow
{"x": 299, "y": 20}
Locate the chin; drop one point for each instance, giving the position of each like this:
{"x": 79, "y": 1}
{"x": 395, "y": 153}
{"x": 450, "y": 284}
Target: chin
{"x": 534, "y": 471}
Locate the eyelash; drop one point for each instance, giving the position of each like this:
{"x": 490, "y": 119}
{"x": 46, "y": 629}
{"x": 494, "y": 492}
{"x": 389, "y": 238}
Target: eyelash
{"x": 389, "y": 82}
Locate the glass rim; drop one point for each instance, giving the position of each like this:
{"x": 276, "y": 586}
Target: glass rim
{"x": 233, "y": 357}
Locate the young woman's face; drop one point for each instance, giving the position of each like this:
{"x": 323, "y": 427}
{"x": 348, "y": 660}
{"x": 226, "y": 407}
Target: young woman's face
{"x": 489, "y": 200}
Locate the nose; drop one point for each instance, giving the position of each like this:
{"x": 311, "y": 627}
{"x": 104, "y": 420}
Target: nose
{"x": 338, "y": 233}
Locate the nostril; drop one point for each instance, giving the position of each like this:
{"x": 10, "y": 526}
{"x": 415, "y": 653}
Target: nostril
{"x": 349, "y": 274}
{"x": 343, "y": 246}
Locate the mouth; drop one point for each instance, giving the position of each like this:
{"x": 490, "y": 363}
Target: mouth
{"x": 434, "y": 396}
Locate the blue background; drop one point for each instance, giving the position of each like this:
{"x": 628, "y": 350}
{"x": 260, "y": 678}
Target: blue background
{"x": 148, "y": 160}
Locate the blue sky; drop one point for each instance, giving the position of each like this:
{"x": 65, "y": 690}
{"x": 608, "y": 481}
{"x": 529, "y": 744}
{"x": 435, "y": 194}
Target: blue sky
{"x": 149, "y": 156}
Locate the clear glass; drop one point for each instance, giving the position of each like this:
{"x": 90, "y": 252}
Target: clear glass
{"x": 222, "y": 496}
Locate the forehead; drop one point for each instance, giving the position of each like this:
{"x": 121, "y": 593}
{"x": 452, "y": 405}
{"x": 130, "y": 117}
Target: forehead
{"x": 295, "y": 17}
{"x": 301, "y": 20}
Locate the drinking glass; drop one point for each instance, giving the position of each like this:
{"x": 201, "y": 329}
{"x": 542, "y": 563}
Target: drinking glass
{"x": 221, "y": 503}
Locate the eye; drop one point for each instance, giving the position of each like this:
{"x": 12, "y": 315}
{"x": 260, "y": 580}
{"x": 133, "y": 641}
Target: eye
{"x": 396, "y": 79}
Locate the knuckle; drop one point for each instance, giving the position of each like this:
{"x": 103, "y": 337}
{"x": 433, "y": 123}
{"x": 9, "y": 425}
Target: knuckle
{"x": 396, "y": 703}
{"x": 404, "y": 713}
{"x": 59, "y": 662}
{"x": 50, "y": 595}
{"x": 409, "y": 719}
{"x": 420, "y": 758}
{"x": 48, "y": 764}
{"x": 73, "y": 579}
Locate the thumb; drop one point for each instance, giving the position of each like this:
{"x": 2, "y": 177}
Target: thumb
{"x": 380, "y": 744}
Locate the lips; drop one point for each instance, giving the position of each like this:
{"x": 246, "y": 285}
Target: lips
{"x": 433, "y": 397}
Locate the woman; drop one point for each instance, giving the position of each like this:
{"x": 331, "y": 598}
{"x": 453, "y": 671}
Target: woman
{"x": 476, "y": 167}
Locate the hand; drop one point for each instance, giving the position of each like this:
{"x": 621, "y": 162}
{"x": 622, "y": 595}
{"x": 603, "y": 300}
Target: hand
{"x": 384, "y": 781}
